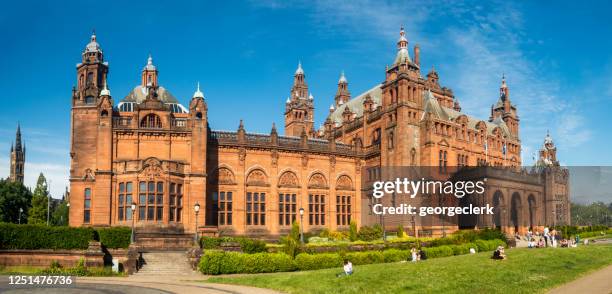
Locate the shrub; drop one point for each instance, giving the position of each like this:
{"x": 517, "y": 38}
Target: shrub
{"x": 247, "y": 245}
{"x": 115, "y": 237}
{"x": 353, "y": 234}
{"x": 13, "y": 236}
{"x": 295, "y": 231}
{"x": 370, "y": 233}
{"x": 252, "y": 245}
{"x": 488, "y": 245}
{"x": 395, "y": 255}
{"x": 215, "y": 262}
{"x": 305, "y": 261}
{"x": 400, "y": 231}
{"x": 365, "y": 257}
{"x": 440, "y": 251}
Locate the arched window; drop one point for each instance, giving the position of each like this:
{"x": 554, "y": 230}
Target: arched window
{"x": 151, "y": 121}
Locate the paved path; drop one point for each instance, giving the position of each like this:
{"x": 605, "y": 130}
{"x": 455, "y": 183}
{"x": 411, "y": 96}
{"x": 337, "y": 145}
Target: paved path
{"x": 594, "y": 283}
{"x": 149, "y": 284}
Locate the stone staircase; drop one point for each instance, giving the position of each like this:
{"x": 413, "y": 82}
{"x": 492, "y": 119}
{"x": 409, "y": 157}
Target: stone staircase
{"x": 165, "y": 263}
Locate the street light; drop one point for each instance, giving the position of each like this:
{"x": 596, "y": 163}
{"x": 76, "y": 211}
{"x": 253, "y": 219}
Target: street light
{"x": 301, "y": 225}
{"x": 133, "y": 208}
{"x": 196, "y": 208}
{"x": 20, "y": 211}
{"x": 68, "y": 213}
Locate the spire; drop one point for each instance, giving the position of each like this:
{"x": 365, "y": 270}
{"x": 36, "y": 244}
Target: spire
{"x": 503, "y": 89}
{"x": 342, "y": 79}
{"x": 198, "y": 93}
{"x": 93, "y": 45}
{"x": 105, "y": 91}
{"x": 299, "y": 70}
{"x": 273, "y": 131}
{"x": 402, "y": 49}
{"x": 402, "y": 42}
{"x": 18, "y": 138}
{"x": 150, "y": 65}
{"x": 310, "y": 97}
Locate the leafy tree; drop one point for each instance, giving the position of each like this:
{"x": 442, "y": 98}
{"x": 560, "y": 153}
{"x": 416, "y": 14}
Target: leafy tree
{"x": 38, "y": 213}
{"x": 14, "y": 196}
{"x": 59, "y": 216}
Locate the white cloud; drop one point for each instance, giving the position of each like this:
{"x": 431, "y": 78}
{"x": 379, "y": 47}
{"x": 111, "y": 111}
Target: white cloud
{"x": 56, "y": 174}
{"x": 476, "y": 45}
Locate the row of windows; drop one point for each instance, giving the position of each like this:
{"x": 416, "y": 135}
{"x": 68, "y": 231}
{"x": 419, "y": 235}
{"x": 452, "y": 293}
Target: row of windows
{"x": 150, "y": 201}
{"x": 287, "y": 208}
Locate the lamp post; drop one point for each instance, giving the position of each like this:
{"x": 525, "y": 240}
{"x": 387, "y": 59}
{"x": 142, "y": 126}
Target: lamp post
{"x": 301, "y": 225}
{"x": 196, "y": 208}
{"x": 20, "y": 212}
{"x": 68, "y": 213}
{"x": 133, "y": 208}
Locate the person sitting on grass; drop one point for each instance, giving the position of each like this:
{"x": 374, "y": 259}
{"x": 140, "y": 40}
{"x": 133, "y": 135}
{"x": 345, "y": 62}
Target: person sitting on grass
{"x": 348, "y": 267}
{"x": 422, "y": 254}
{"x": 414, "y": 254}
{"x": 499, "y": 254}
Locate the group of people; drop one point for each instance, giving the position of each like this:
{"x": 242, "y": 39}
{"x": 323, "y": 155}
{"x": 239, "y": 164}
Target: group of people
{"x": 548, "y": 238}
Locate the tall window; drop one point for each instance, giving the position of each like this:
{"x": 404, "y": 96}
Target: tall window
{"x": 286, "y": 209}
{"x": 176, "y": 202}
{"x": 125, "y": 201}
{"x": 256, "y": 208}
{"x": 316, "y": 209}
{"x": 151, "y": 121}
{"x": 87, "y": 208}
{"x": 224, "y": 207}
{"x": 343, "y": 210}
{"x": 443, "y": 160}
{"x": 151, "y": 201}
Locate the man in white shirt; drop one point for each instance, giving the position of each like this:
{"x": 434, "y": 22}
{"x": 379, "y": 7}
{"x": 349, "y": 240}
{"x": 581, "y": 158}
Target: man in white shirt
{"x": 348, "y": 267}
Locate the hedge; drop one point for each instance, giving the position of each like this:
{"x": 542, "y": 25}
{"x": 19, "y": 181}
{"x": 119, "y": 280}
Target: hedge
{"x": 215, "y": 262}
{"x": 115, "y": 237}
{"x": 365, "y": 257}
{"x": 247, "y": 245}
{"x": 14, "y": 236}
{"x": 305, "y": 261}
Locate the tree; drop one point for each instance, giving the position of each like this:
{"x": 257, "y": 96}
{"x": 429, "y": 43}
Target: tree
{"x": 13, "y": 196}
{"x": 59, "y": 216}
{"x": 38, "y": 213}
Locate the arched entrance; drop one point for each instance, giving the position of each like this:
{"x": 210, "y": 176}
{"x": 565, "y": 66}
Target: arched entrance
{"x": 498, "y": 200}
{"x": 532, "y": 210}
{"x": 515, "y": 211}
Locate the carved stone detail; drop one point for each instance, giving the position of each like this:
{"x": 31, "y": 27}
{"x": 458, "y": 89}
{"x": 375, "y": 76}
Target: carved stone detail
{"x": 344, "y": 183}
{"x": 288, "y": 179}
{"x": 257, "y": 178}
{"x": 317, "y": 181}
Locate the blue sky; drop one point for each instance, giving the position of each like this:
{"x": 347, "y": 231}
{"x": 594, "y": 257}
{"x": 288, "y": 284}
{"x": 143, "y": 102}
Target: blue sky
{"x": 556, "y": 58}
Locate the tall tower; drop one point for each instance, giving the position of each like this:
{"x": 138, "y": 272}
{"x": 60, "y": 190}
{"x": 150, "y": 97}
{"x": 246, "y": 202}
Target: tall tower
{"x": 505, "y": 109}
{"x": 342, "y": 95}
{"x": 17, "y": 158}
{"x": 299, "y": 108}
{"x": 149, "y": 74}
{"x": 91, "y": 74}
{"x": 91, "y": 139}
{"x": 403, "y": 95}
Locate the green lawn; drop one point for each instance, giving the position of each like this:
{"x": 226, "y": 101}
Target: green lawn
{"x": 525, "y": 271}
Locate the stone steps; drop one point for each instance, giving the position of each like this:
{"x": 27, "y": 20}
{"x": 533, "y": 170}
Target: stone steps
{"x": 165, "y": 263}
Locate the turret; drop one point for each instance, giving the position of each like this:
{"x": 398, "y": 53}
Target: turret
{"x": 342, "y": 94}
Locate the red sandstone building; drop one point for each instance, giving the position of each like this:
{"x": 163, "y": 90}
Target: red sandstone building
{"x": 160, "y": 155}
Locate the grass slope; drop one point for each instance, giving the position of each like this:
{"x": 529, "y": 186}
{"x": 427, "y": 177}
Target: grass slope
{"x": 525, "y": 271}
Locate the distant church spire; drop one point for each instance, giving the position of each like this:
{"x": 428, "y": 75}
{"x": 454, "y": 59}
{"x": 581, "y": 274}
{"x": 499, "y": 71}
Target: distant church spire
{"x": 17, "y": 158}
